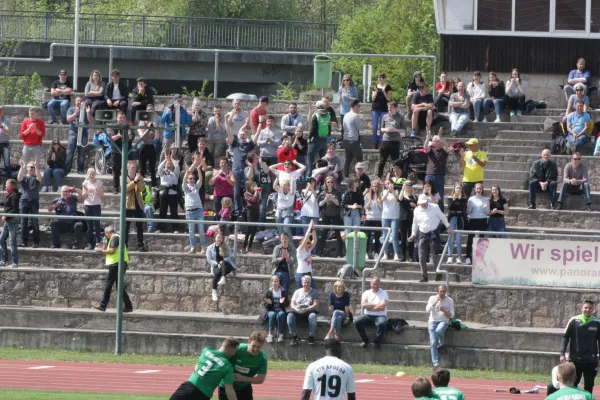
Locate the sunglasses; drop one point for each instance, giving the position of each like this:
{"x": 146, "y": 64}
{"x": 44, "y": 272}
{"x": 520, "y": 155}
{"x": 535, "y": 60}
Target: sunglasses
{"x": 579, "y": 90}
{"x": 576, "y": 159}
{"x": 345, "y": 80}
{"x": 31, "y": 166}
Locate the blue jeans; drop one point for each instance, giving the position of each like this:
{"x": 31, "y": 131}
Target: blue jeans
{"x": 287, "y": 224}
{"x": 534, "y": 187}
{"x": 72, "y": 144}
{"x": 10, "y": 226}
{"x": 497, "y": 103}
{"x": 29, "y": 207}
{"x": 240, "y": 184}
{"x": 93, "y": 225}
{"x": 477, "y": 105}
{"x": 284, "y": 279}
{"x": 196, "y": 215}
{"x": 380, "y": 323}
{"x": 316, "y": 150}
{"x": 438, "y": 181}
{"x": 312, "y": 322}
{"x": 580, "y": 141}
{"x": 352, "y": 220}
{"x": 436, "y": 336}
{"x": 496, "y": 225}
{"x": 280, "y": 317}
{"x": 64, "y": 107}
{"x": 376, "y": 120}
{"x": 573, "y": 189}
{"x": 337, "y": 318}
{"x": 5, "y": 155}
{"x": 393, "y": 224}
{"x": 456, "y": 238}
{"x": 299, "y": 276}
{"x": 149, "y": 213}
{"x": 57, "y": 173}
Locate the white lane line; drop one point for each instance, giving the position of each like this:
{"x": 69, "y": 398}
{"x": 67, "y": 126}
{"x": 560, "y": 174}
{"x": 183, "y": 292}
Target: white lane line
{"x": 147, "y": 371}
{"x": 365, "y": 380}
{"x": 42, "y": 367}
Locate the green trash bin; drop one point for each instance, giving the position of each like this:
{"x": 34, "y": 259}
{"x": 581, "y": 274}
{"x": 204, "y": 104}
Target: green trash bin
{"x": 323, "y": 71}
{"x": 362, "y": 249}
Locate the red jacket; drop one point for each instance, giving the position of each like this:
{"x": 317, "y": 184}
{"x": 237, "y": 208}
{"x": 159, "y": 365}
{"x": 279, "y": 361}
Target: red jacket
{"x": 32, "y": 138}
{"x": 291, "y": 155}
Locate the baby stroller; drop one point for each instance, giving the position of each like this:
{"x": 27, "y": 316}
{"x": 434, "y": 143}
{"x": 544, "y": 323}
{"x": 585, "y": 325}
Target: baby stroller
{"x": 414, "y": 163}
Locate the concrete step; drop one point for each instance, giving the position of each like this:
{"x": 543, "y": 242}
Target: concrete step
{"x": 519, "y": 135}
{"x": 407, "y": 305}
{"x": 511, "y": 149}
{"x": 411, "y": 296}
{"x": 405, "y": 275}
{"x": 505, "y": 174}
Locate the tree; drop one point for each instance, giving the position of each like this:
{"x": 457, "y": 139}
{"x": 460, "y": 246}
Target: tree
{"x": 389, "y": 27}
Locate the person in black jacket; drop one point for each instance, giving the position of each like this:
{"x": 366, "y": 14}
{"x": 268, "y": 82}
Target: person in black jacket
{"x": 276, "y": 300}
{"x": 11, "y": 206}
{"x": 583, "y": 336}
{"x": 142, "y": 96}
{"x": 117, "y": 94}
{"x": 57, "y": 161}
{"x": 542, "y": 176}
{"x": 117, "y": 135}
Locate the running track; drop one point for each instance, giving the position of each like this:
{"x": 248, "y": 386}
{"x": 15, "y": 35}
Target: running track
{"x": 158, "y": 379}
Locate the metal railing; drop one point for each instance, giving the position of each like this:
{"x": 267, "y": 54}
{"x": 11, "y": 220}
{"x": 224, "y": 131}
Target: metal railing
{"x": 167, "y": 31}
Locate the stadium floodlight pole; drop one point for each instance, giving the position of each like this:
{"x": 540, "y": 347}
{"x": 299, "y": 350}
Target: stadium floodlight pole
{"x": 76, "y": 46}
{"x": 122, "y": 233}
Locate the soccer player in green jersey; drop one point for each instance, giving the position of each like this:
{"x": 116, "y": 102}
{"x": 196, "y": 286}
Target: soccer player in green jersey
{"x": 567, "y": 374}
{"x": 249, "y": 367}
{"x": 421, "y": 389}
{"x": 441, "y": 379}
{"x": 212, "y": 368}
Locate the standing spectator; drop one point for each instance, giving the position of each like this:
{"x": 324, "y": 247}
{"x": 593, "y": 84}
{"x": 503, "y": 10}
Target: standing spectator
{"x": 582, "y": 335}
{"x": 66, "y": 205}
{"x": 5, "y": 143}
{"x": 147, "y": 153}
{"x": 305, "y": 304}
{"x": 269, "y": 141}
{"x": 390, "y": 216}
{"x": 116, "y": 135}
{"x": 276, "y": 301}
{"x": 304, "y": 256}
{"x": 422, "y": 109}
{"x": 392, "y": 128}
{"x": 218, "y": 257}
{"x": 496, "y": 92}
{"x": 457, "y": 214}
{"x": 252, "y": 206}
{"x": 168, "y": 171}
{"x": 426, "y": 222}
{"x": 374, "y": 302}
{"x": 117, "y": 94}
{"x": 134, "y": 205}
{"x": 568, "y": 389}
{"x": 363, "y": 180}
{"x": 441, "y": 378}
{"x": 347, "y": 93}
{"x": 437, "y": 157}
{"x": 478, "y": 209}
{"x": 30, "y": 201}
{"x": 258, "y": 171}
{"x": 142, "y": 96}
{"x": 444, "y": 90}
{"x": 32, "y": 133}
{"x": 478, "y": 92}
{"x": 283, "y": 260}
{"x": 237, "y": 116}
{"x": 498, "y": 211}
{"x": 473, "y": 161}
{"x": 575, "y": 181}
{"x": 339, "y": 310}
{"x": 206, "y": 166}
{"x": 94, "y": 91}
{"x": 56, "y": 165}
{"x": 147, "y": 196}
{"x": 216, "y": 133}
{"x": 241, "y": 145}
{"x": 284, "y": 210}
{"x": 432, "y": 195}
{"x": 579, "y": 75}
{"x": 440, "y": 308}
{"x": 286, "y": 152}
{"x": 223, "y": 181}
{"x": 459, "y": 109}
{"x": 199, "y": 123}
{"x": 112, "y": 263}
{"x": 353, "y": 203}
{"x": 300, "y": 145}
{"x": 515, "y": 97}
{"x": 381, "y": 94}
{"x": 330, "y": 202}
{"x": 543, "y": 175}
{"x": 168, "y": 120}
{"x": 578, "y": 123}
{"x": 194, "y": 210}
{"x": 310, "y": 204}
{"x": 258, "y": 124}
{"x": 373, "y": 210}
{"x": 411, "y": 89}
{"x": 74, "y": 117}
{"x": 11, "y": 206}
{"x": 330, "y": 111}
{"x": 354, "y": 124}
{"x": 61, "y": 95}
{"x": 408, "y": 203}
{"x": 579, "y": 95}
{"x": 320, "y": 130}
{"x": 291, "y": 120}
{"x": 92, "y": 193}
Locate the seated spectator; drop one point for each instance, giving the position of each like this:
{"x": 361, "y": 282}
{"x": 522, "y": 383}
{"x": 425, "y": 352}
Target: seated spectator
{"x": 579, "y": 95}
{"x": 578, "y": 124}
{"x": 241, "y": 145}
{"x": 134, "y": 204}
{"x": 61, "y": 97}
{"x": 575, "y": 181}
{"x": 194, "y": 210}
{"x": 32, "y": 133}
{"x": 422, "y": 109}
{"x": 473, "y": 161}
{"x": 498, "y": 211}
{"x": 330, "y": 203}
{"x": 459, "y": 109}
{"x": 269, "y": 141}
{"x": 339, "y": 310}
{"x": 74, "y": 118}
{"x": 218, "y": 257}
{"x": 168, "y": 171}
{"x": 31, "y": 180}
{"x": 363, "y": 180}
{"x": 94, "y": 92}
{"x": 411, "y": 89}
{"x": 496, "y": 92}
{"x": 347, "y": 93}
{"x": 284, "y": 209}
{"x": 579, "y": 75}
{"x": 300, "y": 144}
{"x": 334, "y": 165}
{"x": 117, "y": 94}
{"x": 374, "y": 302}
{"x": 92, "y": 193}
{"x": 421, "y": 389}
{"x": 478, "y": 92}
{"x": 304, "y": 255}
{"x": 142, "y": 96}
{"x": 381, "y": 94}
{"x": 11, "y": 206}
{"x": 408, "y": 203}
{"x": 66, "y": 205}
{"x": 440, "y": 379}
{"x": 199, "y": 123}
{"x": 252, "y": 199}
{"x": 352, "y": 205}
{"x": 147, "y": 151}
{"x": 390, "y": 217}
{"x": 56, "y": 165}
{"x": 542, "y": 177}
{"x": 223, "y": 181}
{"x": 478, "y": 210}
{"x": 276, "y": 301}
{"x": 515, "y": 97}
{"x": 5, "y": 143}
{"x": 440, "y": 308}
{"x": 373, "y": 210}
{"x": 457, "y": 216}
{"x": 283, "y": 260}
{"x": 443, "y": 88}
{"x": 291, "y": 120}
{"x": 305, "y": 304}
{"x": 216, "y": 133}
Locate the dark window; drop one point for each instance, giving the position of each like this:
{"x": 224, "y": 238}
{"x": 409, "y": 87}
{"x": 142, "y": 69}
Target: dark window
{"x": 532, "y": 15}
{"x": 595, "y": 23}
{"x": 570, "y": 15}
{"x": 494, "y": 15}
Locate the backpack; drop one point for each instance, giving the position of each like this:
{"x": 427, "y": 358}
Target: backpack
{"x": 396, "y": 324}
{"x": 323, "y": 123}
{"x": 347, "y": 272}
{"x": 265, "y": 235}
{"x": 269, "y": 245}
{"x": 559, "y": 145}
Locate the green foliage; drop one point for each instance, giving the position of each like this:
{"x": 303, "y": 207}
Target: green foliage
{"x": 285, "y": 92}
{"x": 197, "y": 93}
{"x": 389, "y": 27}
{"x": 26, "y": 90}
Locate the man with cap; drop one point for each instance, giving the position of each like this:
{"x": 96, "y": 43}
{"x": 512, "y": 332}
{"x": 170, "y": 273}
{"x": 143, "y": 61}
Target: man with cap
{"x": 392, "y": 127}
{"x": 473, "y": 162}
{"x": 320, "y": 129}
{"x": 61, "y": 97}
{"x": 168, "y": 120}
{"x": 354, "y": 123}
{"x": 364, "y": 182}
{"x": 426, "y": 220}
{"x": 5, "y": 143}
{"x": 258, "y": 123}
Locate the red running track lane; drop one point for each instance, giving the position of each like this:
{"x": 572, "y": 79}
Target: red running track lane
{"x": 283, "y": 385}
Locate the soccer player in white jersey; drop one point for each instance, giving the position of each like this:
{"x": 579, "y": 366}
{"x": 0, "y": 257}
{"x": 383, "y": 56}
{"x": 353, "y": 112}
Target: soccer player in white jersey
{"x": 329, "y": 378}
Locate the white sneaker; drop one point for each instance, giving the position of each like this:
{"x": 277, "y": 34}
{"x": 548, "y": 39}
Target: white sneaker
{"x": 497, "y": 120}
{"x": 192, "y": 249}
{"x": 468, "y": 261}
{"x": 396, "y": 257}
{"x": 512, "y": 113}
{"x": 215, "y": 296}
{"x": 459, "y": 260}
{"x": 222, "y": 281}
{"x": 269, "y": 338}
{"x": 176, "y": 232}
{"x": 280, "y": 338}
{"x": 475, "y": 120}
{"x": 449, "y": 260}
{"x": 485, "y": 119}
